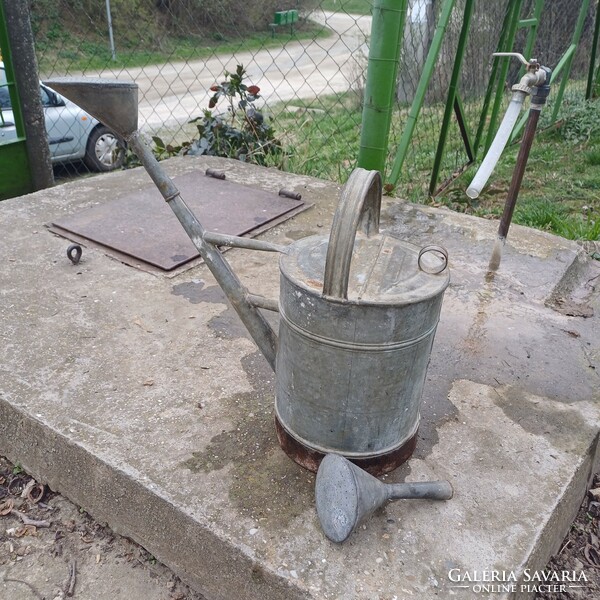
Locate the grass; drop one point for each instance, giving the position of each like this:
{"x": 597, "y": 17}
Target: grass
{"x": 352, "y": 7}
{"x": 71, "y": 54}
{"x": 323, "y": 138}
{"x": 320, "y": 135}
{"x": 560, "y": 192}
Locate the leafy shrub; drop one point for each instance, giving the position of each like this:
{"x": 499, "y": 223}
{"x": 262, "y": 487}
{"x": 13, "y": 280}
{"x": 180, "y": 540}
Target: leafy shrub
{"x": 242, "y": 133}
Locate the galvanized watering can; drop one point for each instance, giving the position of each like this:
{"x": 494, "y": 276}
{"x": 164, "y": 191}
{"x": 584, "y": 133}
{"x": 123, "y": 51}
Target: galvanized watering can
{"x": 358, "y": 311}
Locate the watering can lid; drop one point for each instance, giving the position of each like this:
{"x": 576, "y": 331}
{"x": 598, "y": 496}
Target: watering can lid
{"x": 384, "y": 269}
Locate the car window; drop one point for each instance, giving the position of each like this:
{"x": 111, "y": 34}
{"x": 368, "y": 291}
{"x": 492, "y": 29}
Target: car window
{"x": 4, "y": 95}
{"x": 46, "y": 99}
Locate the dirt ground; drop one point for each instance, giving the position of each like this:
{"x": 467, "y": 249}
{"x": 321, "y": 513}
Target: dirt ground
{"x": 52, "y": 550}
{"x": 580, "y": 550}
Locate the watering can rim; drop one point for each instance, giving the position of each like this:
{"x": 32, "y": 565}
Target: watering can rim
{"x": 432, "y": 284}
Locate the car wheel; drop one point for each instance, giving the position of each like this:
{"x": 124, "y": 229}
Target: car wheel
{"x": 104, "y": 150}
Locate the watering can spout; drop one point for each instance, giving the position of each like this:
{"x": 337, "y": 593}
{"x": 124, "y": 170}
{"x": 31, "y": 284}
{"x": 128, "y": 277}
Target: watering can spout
{"x": 114, "y": 103}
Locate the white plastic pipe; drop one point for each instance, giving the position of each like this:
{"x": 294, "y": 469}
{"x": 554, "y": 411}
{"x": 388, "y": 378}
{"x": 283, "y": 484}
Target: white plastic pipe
{"x": 498, "y": 145}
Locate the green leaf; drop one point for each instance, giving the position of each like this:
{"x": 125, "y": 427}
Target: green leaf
{"x": 158, "y": 142}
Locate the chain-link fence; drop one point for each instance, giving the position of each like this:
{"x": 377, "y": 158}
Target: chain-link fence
{"x": 309, "y": 60}
{"x": 489, "y": 30}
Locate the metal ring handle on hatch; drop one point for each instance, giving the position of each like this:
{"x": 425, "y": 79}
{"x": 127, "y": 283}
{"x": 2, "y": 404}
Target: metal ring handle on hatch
{"x": 358, "y": 208}
{"x": 439, "y": 251}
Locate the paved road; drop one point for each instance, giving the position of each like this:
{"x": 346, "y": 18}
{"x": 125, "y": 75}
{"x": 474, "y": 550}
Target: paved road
{"x": 176, "y": 92}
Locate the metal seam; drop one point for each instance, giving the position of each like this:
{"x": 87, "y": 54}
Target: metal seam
{"x": 351, "y": 455}
{"x": 353, "y": 345}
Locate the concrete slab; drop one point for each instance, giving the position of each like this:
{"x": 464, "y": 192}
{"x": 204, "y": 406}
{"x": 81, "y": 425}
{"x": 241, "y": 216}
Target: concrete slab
{"x": 141, "y": 398}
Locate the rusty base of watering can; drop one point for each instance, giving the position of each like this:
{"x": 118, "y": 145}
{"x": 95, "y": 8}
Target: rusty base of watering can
{"x": 310, "y": 459}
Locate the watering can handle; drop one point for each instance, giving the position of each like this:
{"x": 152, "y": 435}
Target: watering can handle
{"x": 358, "y": 208}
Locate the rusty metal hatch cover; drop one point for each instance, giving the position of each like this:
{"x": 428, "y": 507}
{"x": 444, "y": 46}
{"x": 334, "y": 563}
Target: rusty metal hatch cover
{"x": 141, "y": 226}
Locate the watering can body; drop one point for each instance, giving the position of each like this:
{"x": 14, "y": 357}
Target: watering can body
{"x": 359, "y": 311}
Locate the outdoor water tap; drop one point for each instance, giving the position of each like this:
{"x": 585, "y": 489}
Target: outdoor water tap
{"x": 542, "y": 90}
{"x": 535, "y": 77}
{"x": 539, "y": 77}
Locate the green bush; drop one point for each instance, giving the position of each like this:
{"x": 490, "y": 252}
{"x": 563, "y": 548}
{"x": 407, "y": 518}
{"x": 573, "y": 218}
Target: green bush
{"x": 242, "y": 132}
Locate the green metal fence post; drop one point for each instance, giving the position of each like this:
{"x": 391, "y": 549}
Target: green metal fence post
{"x": 450, "y": 102}
{"x": 26, "y": 103}
{"x": 15, "y": 178}
{"x": 596, "y": 86}
{"x": 502, "y": 47}
{"x": 510, "y": 40}
{"x": 387, "y": 32}
{"x": 532, "y": 23}
{"x": 533, "y": 27}
{"x": 591, "y": 90}
{"x": 567, "y": 60}
{"x": 10, "y": 76}
{"x": 461, "y": 120}
{"x": 418, "y": 100}
{"x": 564, "y": 64}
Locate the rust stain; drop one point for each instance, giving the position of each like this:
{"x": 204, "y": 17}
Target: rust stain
{"x": 311, "y": 459}
{"x": 314, "y": 283}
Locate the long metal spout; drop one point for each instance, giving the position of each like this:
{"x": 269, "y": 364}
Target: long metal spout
{"x": 114, "y": 103}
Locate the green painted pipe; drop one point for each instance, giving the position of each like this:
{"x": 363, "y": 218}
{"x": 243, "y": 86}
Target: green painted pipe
{"x": 596, "y": 85}
{"x": 533, "y": 28}
{"x": 564, "y": 64}
{"x": 590, "y": 90}
{"x": 528, "y": 54}
{"x": 419, "y": 99}
{"x": 10, "y": 77}
{"x": 452, "y": 90}
{"x": 567, "y": 65}
{"x": 387, "y": 32}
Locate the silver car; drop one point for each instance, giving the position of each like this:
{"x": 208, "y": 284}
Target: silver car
{"x": 72, "y": 133}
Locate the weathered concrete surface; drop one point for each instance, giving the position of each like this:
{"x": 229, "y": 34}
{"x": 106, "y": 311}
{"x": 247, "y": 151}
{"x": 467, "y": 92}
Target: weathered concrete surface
{"x": 141, "y": 398}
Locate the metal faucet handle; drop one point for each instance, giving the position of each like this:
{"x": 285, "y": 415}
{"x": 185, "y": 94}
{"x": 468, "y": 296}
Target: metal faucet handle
{"x": 530, "y": 64}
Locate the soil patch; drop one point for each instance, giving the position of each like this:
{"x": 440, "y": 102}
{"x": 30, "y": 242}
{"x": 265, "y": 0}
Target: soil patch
{"x": 580, "y": 551}
{"x": 51, "y": 549}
